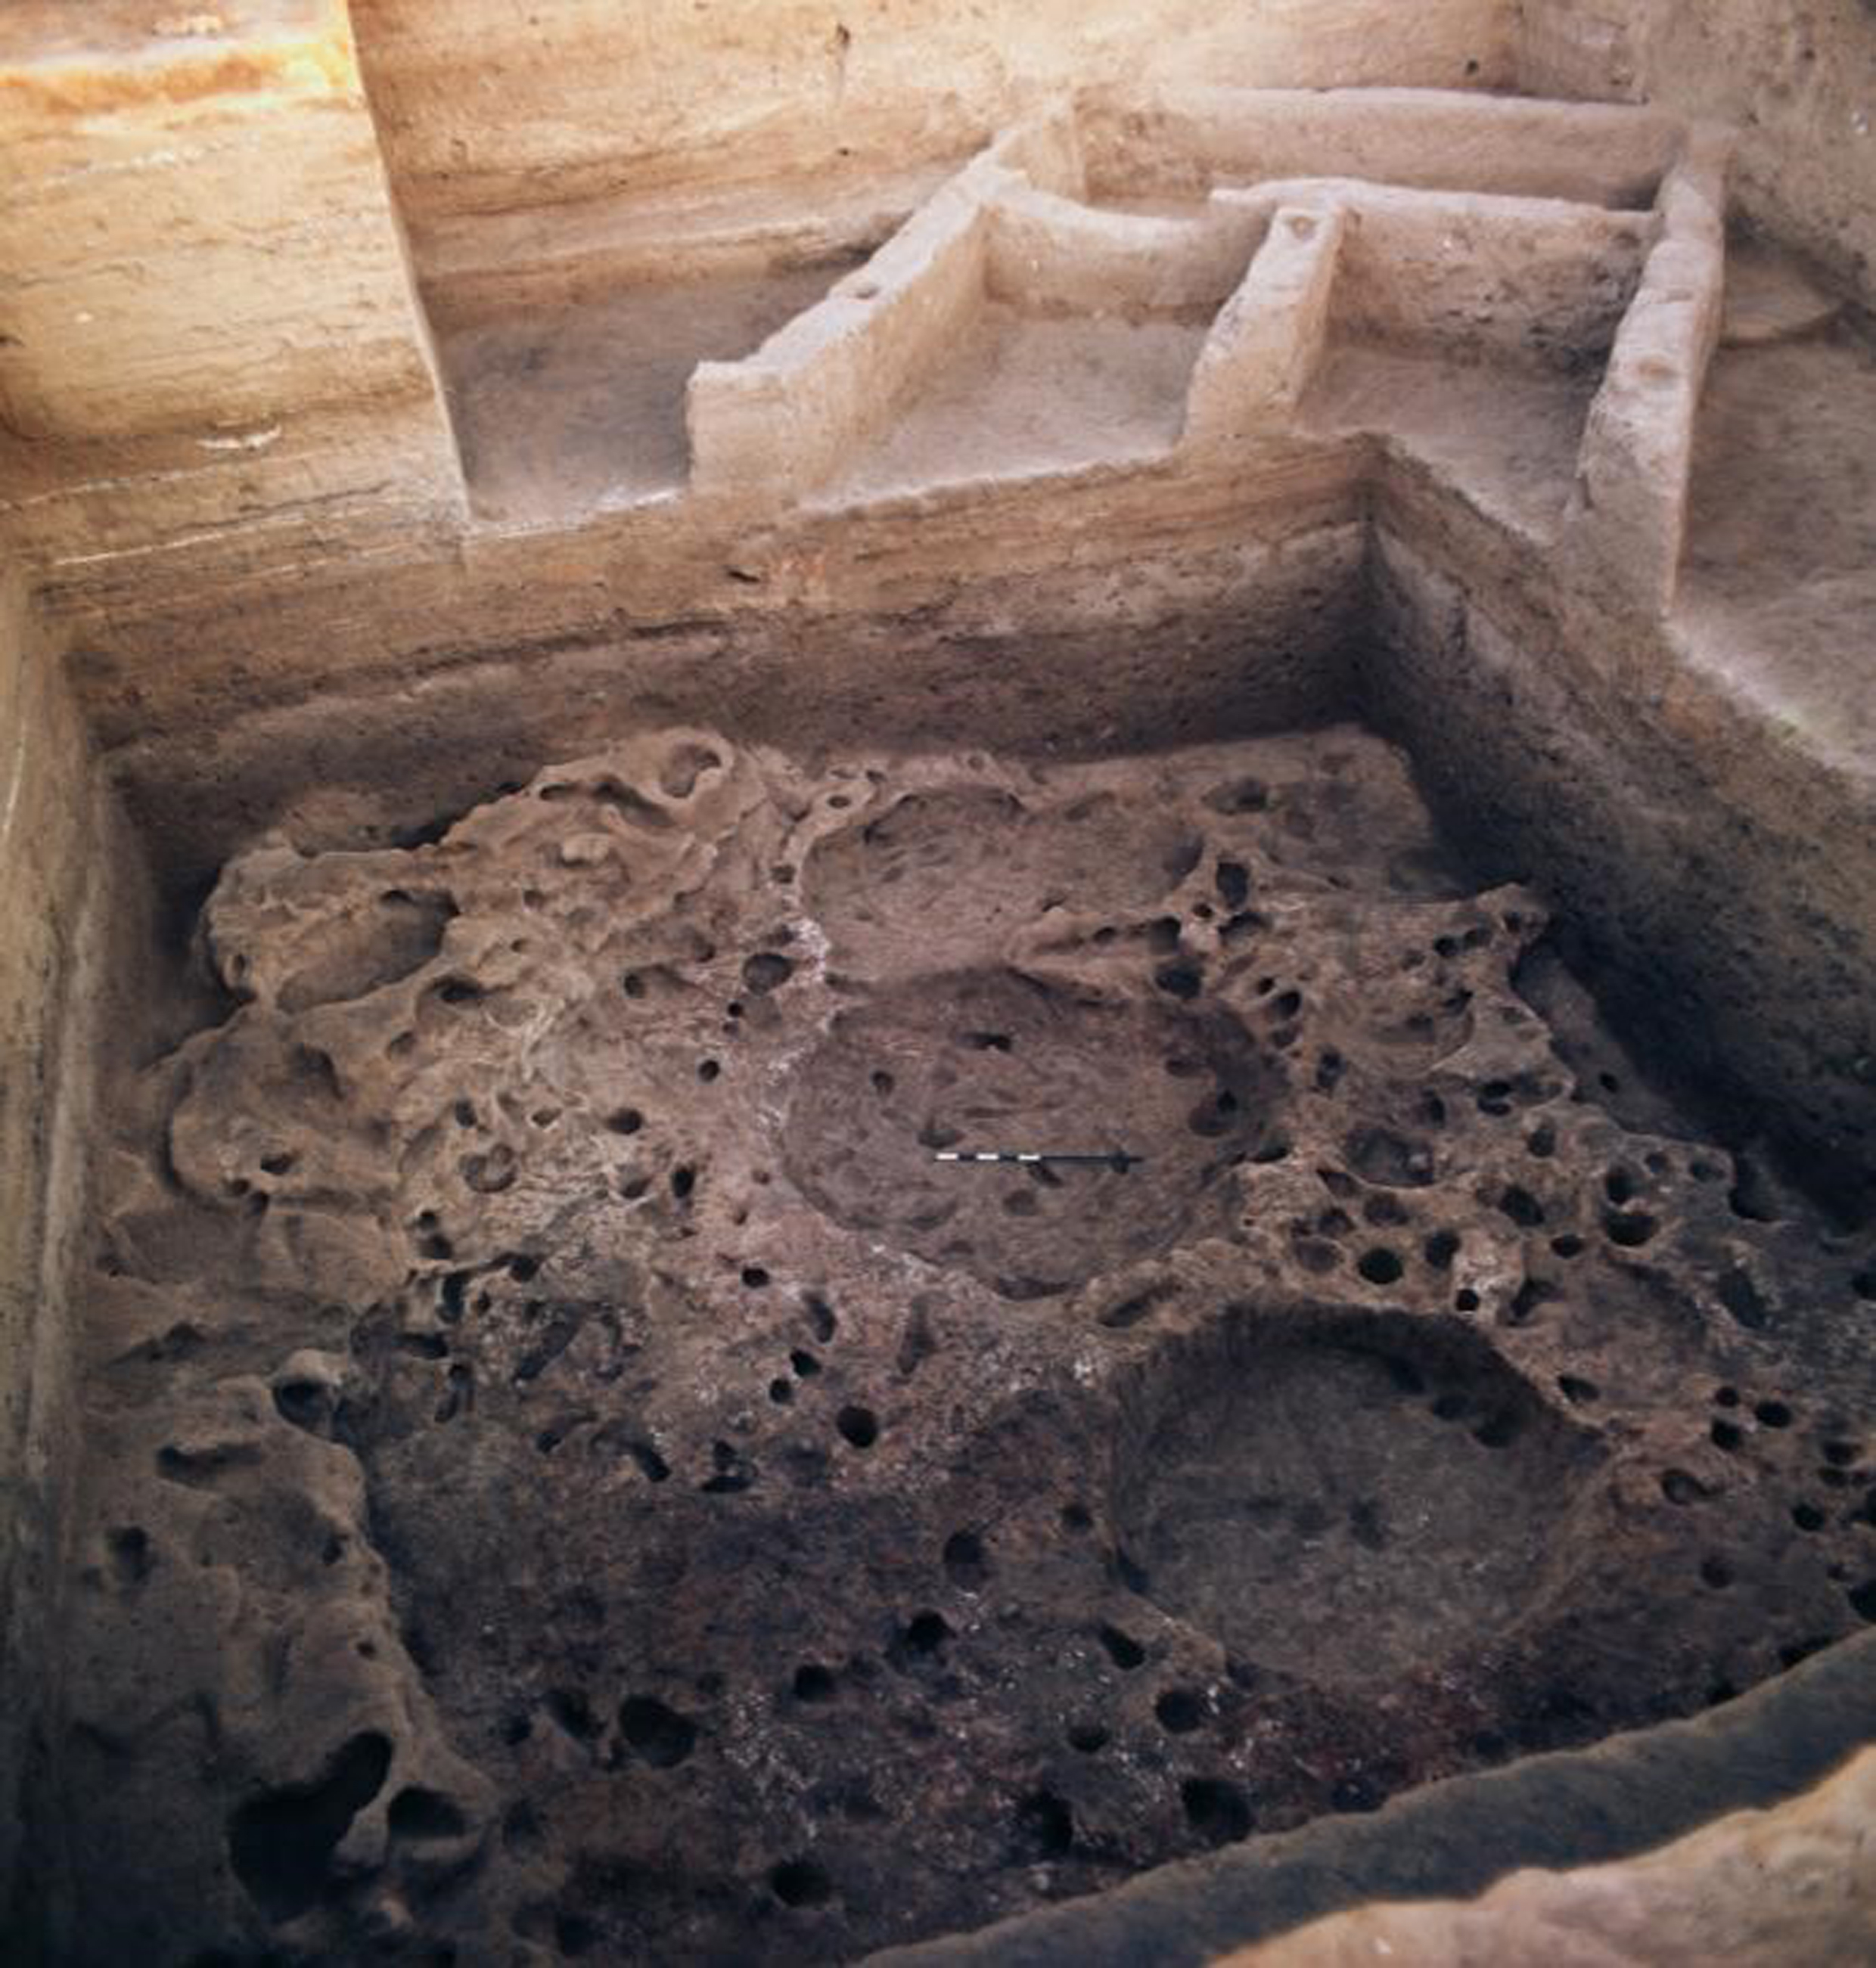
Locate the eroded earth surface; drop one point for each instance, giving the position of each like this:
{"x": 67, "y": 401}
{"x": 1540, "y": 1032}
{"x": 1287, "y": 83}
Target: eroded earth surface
{"x": 571, "y": 1475}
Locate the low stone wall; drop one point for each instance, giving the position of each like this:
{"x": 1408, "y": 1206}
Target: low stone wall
{"x": 1433, "y": 140}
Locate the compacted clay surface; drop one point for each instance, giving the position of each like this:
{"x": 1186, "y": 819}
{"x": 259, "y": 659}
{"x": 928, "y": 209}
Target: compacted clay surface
{"x": 571, "y": 1473}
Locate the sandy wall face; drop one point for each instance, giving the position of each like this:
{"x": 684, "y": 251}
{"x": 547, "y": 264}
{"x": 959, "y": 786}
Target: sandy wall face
{"x": 206, "y": 327}
{"x": 1798, "y": 82}
{"x": 595, "y": 98}
{"x": 210, "y": 243}
{"x": 71, "y": 904}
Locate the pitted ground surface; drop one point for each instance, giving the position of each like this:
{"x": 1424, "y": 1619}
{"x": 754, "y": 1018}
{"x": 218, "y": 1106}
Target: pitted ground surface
{"x": 570, "y": 1477}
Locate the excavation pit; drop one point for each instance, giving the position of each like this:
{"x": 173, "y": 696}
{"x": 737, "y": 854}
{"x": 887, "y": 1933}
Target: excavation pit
{"x": 517, "y": 1447}
{"x": 541, "y": 1291}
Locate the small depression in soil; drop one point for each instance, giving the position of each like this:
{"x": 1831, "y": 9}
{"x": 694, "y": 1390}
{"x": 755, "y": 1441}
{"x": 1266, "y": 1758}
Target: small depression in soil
{"x": 998, "y": 1062}
{"x": 942, "y": 858}
{"x": 655, "y": 1511}
{"x": 1350, "y": 1504}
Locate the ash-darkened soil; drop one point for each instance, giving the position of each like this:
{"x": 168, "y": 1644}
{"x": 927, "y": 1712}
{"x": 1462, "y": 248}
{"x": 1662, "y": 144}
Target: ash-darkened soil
{"x": 571, "y": 1475}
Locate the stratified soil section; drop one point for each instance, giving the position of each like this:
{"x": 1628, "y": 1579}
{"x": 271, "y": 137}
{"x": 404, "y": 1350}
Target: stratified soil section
{"x": 573, "y": 1474}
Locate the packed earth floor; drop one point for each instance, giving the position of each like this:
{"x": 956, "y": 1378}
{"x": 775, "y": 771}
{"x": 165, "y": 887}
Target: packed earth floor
{"x": 571, "y": 1473}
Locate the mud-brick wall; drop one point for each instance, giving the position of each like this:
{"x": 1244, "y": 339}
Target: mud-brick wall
{"x": 1796, "y": 78}
{"x": 72, "y": 909}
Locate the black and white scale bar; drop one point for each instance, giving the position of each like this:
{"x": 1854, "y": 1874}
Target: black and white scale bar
{"x": 1114, "y": 1158}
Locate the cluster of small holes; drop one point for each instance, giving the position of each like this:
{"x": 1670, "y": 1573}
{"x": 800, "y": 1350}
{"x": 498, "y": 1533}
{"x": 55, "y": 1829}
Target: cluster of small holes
{"x": 1378, "y": 1220}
